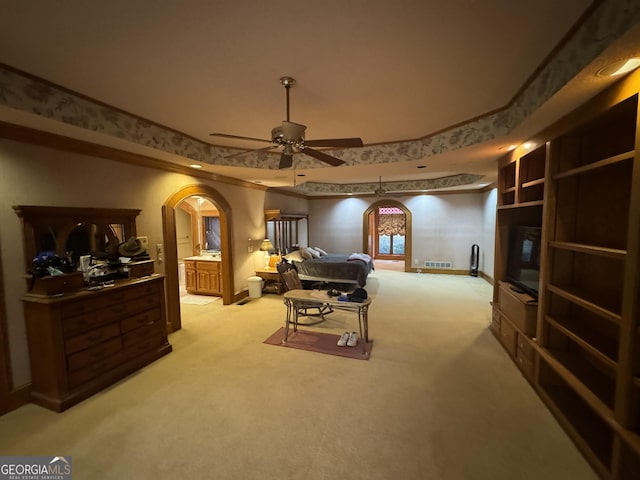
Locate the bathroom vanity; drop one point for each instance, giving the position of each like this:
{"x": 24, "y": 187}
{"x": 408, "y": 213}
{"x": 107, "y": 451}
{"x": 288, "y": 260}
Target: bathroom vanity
{"x": 203, "y": 274}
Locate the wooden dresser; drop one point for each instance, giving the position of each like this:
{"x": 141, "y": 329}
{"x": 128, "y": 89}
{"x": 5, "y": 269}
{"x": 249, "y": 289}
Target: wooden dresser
{"x": 83, "y": 341}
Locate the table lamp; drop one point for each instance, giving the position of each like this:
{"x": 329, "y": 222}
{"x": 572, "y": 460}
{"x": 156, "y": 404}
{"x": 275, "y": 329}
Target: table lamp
{"x": 266, "y": 246}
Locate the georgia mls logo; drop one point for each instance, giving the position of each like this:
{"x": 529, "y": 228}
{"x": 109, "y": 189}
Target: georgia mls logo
{"x": 59, "y": 465}
{"x": 35, "y": 468}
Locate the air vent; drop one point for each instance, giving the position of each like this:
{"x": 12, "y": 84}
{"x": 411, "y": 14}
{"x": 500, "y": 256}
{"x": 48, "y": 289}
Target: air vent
{"x": 436, "y": 264}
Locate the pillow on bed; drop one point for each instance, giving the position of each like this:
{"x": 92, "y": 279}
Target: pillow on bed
{"x": 306, "y": 254}
{"x": 314, "y": 253}
{"x": 320, "y": 251}
{"x": 295, "y": 256}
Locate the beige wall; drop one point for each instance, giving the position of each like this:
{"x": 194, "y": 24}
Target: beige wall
{"x": 34, "y": 175}
{"x": 444, "y": 226}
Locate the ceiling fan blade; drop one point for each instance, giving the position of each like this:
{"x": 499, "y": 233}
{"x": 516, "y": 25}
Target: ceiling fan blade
{"x": 238, "y": 137}
{"x": 323, "y": 157}
{"x": 335, "y": 142}
{"x": 286, "y": 160}
{"x": 250, "y": 151}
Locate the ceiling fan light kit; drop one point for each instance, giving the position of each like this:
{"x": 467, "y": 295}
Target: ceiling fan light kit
{"x": 290, "y": 136}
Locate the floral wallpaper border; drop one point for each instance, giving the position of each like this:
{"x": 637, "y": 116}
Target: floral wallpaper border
{"x": 390, "y": 187}
{"x": 609, "y": 21}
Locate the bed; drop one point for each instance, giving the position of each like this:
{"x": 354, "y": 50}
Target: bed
{"x": 332, "y": 267}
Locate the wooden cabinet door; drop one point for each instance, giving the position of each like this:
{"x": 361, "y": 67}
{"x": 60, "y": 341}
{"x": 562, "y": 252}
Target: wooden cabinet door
{"x": 214, "y": 282}
{"x": 208, "y": 277}
{"x": 202, "y": 281}
{"x": 190, "y": 279}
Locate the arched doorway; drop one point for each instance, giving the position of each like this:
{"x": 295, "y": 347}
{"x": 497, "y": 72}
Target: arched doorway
{"x": 371, "y": 238}
{"x": 171, "y": 248}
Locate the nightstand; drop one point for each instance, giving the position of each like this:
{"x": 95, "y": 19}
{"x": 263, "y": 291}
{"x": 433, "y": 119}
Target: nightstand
{"x": 271, "y": 279}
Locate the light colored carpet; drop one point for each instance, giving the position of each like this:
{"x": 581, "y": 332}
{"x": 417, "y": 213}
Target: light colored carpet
{"x": 197, "y": 299}
{"x": 438, "y": 400}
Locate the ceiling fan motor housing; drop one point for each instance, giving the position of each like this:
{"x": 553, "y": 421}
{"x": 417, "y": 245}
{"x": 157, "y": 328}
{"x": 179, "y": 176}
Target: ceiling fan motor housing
{"x": 288, "y": 133}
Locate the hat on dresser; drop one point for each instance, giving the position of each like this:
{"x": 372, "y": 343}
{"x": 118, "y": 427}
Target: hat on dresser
{"x": 131, "y": 248}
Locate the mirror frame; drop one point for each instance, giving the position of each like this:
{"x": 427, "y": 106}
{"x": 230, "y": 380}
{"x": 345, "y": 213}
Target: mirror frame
{"x": 39, "y": 219}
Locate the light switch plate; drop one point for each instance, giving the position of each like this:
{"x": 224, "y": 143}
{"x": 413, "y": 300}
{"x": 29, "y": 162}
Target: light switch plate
{"x": 144, "y": 242}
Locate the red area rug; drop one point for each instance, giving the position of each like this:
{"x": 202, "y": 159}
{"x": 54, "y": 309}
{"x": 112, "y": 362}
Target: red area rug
{"x": 319, "y": 342}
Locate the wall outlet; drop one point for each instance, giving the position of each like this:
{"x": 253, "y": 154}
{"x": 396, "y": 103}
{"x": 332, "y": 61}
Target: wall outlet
{"x": 144, "y": 242}
{"x": 159, "y": 252}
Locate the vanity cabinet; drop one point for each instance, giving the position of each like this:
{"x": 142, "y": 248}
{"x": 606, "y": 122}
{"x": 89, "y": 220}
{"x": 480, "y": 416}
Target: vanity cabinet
{"x": 83, "y": 341}
{"x": 203, "y": 277}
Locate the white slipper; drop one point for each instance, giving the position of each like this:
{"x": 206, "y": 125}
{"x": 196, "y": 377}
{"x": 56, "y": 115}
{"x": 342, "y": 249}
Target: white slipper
{"x": 344, "y": 339}
{"x": 353, "y": 339}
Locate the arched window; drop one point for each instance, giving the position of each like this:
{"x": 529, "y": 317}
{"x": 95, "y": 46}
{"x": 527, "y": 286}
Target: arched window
{"x": 391, "y": 230}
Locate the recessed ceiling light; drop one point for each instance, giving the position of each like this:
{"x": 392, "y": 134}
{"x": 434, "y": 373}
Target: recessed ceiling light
{"x": 195, "y": 165}
{"x": 618, "y": 68}
{"x": 528, "y": 145}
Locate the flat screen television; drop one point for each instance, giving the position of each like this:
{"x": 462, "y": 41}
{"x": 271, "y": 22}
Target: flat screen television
{"x": 523, "y": 259}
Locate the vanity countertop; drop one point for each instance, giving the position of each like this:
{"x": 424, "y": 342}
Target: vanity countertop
{"x": 203, "y": 258}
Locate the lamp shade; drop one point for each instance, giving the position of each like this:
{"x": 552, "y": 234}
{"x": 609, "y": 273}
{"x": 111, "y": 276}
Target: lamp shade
{"x": 266, "y": 245}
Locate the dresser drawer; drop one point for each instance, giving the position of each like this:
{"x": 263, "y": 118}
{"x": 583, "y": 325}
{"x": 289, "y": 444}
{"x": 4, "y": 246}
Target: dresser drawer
{"x": 94, "y": 354}
{"x": 127, "y": 294}
{"x": 91, "y": 338}
{"x": 131, "y": 307}
{"x": 141, "y": 333}
{"x": 143, "y": 346}
{"x": 140, "y": 319}
{"x": 80, "y": 323}
{"x": 72, "y": 309}
{"x": 508, "y": 337}
{"x": 95, "y": 369}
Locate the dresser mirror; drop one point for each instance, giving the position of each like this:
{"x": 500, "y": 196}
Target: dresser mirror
{"x": 74, "y": 230}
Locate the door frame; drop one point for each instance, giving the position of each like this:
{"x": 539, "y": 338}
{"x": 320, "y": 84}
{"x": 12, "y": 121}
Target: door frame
{"x": 367, "y": 244}
{"x": 174, "y": 322}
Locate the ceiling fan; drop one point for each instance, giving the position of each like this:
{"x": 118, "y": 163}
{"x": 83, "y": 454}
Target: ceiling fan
{"x": 381, "y": 192}
{"x": 290, "y": 136}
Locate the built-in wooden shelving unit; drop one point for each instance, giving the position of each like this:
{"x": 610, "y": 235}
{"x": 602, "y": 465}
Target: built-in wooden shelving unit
{"x": 583, "y": 188}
